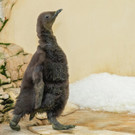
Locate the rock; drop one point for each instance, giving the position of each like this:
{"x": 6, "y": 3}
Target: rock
{"x": 18, "y": 83}
{"x": 1, "y": 114}
{"x": 22, "y": 70}
{"x": 5, "y": 96}
{"x": 27, "y": 58}
{"x": 7, "y": 108}
{"x": 1, "y": 91}
{"x": 8, "y": 74}
{"x": 13, "y": 66}
{"x": 2, "y": 62}
{"x": 14, "y": 75}
{"x": 1, "y": 107}
{"x": 13, "y": 63}
{"x": 4, "y": 80}
{"x": 10, "y": 50}
{"x": 10, "y": 113}
{"x": 2, "y": 52}
{"x": 13, "y": 92}
{"x": 41, "y": 116}
{"x": 16, "y": 67}
{"x": 6, "y": 86}
{"x": 2, "y": 55}
{"x": 14, "y": 49}
{"x": 13, "y": 85}
{"x": 1, "y": 101}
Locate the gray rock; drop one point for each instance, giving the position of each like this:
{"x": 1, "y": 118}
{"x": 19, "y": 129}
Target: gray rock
{"x": 1, "y": 91}
{"x": 22, "y": 70}
{"x": 14, "y": 49}
{"x": 5, "y": 96}
{"x": 13, "y": 65}
{"x": 10, "y": 50}
{"x": 1, "y": 101}
{"x": 8, "y": 74}
{"x": 6, "y": 86}
{"x": 2, "y": 54}
{"x": 18, "y": 83}
{"x": 13, "y": 62}
{"x": 1, "y": 114}
{"x": 1, "y": 107}
{"x": 4, "y": 80}
{"x": 13, "y": 85}
{"x": 13, "y": 92}
{"x": 2, "y": 62}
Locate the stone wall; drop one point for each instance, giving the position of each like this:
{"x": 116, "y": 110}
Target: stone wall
{"x": 13, "y": 63}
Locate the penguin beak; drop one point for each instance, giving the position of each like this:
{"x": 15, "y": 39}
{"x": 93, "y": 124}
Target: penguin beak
{"x": 57, "y": 12}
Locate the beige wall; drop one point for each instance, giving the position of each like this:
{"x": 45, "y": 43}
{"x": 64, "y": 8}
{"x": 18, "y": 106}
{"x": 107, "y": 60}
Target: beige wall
{"x": 97, "y": 35}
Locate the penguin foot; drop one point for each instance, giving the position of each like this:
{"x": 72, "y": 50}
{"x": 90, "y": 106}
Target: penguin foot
{"x": 14, "y": 126}
{"x": 62, "y": 127}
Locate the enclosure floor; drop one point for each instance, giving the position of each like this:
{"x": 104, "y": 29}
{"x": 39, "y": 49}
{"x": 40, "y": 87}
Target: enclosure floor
{"x": 98, "y": 123}
{"x": 120, "y": 122}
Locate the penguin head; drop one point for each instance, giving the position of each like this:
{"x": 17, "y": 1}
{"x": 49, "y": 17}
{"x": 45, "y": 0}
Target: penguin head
{"x": 46, "y": 19}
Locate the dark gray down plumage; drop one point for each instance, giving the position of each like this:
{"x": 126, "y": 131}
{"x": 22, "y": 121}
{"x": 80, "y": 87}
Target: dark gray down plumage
{"x": 45, "y": 86}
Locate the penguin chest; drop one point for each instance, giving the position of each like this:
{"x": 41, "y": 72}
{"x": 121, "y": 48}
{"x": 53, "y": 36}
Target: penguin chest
{"x": 55, "y": 71}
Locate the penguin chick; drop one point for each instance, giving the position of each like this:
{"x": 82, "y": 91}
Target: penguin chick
{"x": 45, "y": 85}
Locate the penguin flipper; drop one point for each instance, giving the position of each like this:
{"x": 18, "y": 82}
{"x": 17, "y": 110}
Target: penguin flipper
{"x": 38, "y": 85}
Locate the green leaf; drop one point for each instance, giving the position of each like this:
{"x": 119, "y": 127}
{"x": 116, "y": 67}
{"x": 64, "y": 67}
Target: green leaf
{"x": 4, "y": 23}
{"x": 5, "y": 43}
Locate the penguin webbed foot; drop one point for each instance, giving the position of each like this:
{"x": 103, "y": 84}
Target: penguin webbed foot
{"x": 56, "y": 125}
{"x": 14, "y": 122}
{"x": 62, "y": 127}
{"x": 14, "y": 126}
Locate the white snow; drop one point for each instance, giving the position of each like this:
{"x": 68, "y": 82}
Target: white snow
{"x": 105, "y": 92}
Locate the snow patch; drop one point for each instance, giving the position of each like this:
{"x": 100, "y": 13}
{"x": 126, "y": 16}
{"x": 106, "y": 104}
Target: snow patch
{"x": 104, "y": 92}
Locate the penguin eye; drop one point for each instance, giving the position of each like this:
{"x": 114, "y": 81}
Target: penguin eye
{"x": 47, "y": 17}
